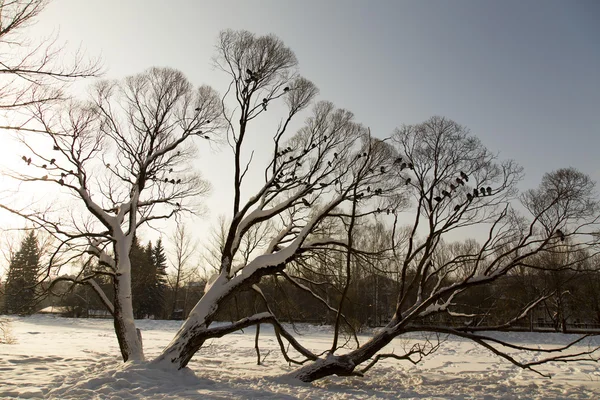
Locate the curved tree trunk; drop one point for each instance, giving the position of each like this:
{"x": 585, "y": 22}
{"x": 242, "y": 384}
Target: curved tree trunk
{"x": 189, "y": 339}
{"x": 344, "y": 365}
{"x": 128, "y": 336}
{"x": 194, "y": 331}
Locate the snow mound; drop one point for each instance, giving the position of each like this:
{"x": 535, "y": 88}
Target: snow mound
{"x": 132, "y": 380}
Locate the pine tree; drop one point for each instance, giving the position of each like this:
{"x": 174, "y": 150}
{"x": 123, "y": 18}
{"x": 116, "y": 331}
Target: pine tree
{"x": 141, "y": 277}
{"x": 22, "y": 277}
{"x": 149, "y": 279}
{"x": 160, "y": 279}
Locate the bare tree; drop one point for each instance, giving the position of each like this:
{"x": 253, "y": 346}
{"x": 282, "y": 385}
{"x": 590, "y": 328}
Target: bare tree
{"x": 124, "y": 157}
{"x": 184, "y": 248}
{"x": 458, "y": 184}
{"x": 31, "y": 72}
{"x": 326, "y": 171}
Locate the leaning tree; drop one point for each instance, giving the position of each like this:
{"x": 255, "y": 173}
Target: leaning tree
{"x": 124, "y": 157}
{"x": 331, "y": 177}
{"x": 457, "y": 185}
{"x": 316, "y": 176}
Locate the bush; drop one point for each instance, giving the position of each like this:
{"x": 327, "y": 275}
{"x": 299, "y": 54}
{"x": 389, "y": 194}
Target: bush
{"x": 5, "y": 332}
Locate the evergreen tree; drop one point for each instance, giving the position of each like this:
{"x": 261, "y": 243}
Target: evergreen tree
{"x": 141, "y": 277}
{"x": 22, "y": 277}
{"x": 149, "y": 279}
{"x": 160, "y": 279}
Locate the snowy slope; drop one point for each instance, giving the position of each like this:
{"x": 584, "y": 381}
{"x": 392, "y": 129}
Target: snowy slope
{"x": 69, "y": 358}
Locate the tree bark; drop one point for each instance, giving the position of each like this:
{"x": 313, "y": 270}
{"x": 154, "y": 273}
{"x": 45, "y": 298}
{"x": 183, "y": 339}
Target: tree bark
{"x": 128, "y": 336}
{"x": 344, "y": 365}
{"x": 189, "y": 338}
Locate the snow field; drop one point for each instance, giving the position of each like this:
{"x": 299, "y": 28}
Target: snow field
{"x": 79, "y": 358}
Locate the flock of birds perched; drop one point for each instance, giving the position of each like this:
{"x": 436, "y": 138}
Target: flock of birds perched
{"x": 460, "y": 180}
{"x": 398, "y": 162}
{"x": 63, "y": 175}
{"x": 255, "y": 77}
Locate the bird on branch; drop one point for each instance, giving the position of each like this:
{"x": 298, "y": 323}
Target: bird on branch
{"x": 464, "y": 176}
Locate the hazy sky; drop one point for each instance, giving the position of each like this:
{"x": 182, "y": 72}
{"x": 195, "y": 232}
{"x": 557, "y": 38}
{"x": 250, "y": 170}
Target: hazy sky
{"x": 524, "y": 76}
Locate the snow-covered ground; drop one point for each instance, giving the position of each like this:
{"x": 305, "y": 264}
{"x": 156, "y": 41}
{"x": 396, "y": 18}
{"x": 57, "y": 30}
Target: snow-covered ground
{"x": 78, "y": 358}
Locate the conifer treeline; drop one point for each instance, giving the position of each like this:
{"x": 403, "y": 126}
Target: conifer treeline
{"x": 575, "y": 299}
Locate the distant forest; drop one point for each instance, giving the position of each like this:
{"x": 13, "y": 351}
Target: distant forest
{"x": 572, "y": 301}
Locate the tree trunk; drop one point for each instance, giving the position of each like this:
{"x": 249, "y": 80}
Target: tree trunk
{"x": 344, "y": 365}
{"x": 128, "y": 336}
{"x": 189, "y": 338}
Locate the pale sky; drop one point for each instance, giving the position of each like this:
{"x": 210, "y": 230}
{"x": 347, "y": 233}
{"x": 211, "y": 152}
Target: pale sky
{"x": 524, "y": 76}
